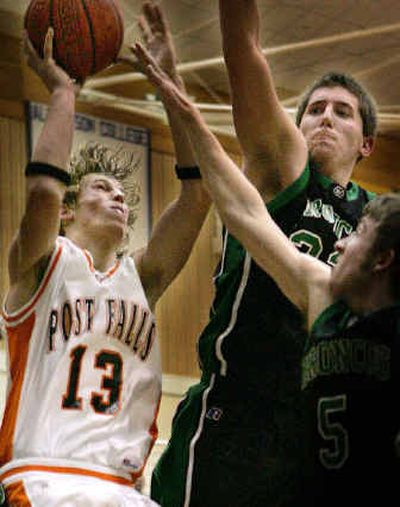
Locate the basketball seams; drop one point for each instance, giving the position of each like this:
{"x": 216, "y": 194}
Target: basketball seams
{"x": 92, "y": 37}
{"x": 73, "y": 55}
{"x": 28, "y": 15}
{"x": 114, "y": 6}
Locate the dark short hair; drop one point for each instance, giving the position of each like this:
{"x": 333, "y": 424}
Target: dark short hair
{"x": 367, "y": 106}
{"x": 385, "y": 212}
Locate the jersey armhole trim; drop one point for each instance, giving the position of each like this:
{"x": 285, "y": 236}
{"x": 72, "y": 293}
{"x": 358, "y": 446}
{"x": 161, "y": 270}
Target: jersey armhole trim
{"x": 12, "y": 318}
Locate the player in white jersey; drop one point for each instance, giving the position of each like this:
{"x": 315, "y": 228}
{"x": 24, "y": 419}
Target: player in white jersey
{"x": 84, "y": 364}
{"x": 84, "y": 344}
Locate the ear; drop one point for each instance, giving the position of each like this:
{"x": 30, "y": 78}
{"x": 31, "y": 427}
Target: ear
{"x": 383, "y": 261}
{"x": 367, "y": 146}
{"x": 67, "y": 215}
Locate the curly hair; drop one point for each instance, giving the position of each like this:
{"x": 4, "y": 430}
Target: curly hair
{"x": 120, "y": 164}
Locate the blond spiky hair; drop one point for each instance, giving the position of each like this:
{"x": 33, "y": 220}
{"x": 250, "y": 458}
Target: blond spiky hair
{"x": 121, "y": 164}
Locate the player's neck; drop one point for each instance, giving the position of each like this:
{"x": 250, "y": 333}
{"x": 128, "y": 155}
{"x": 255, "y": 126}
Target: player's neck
{"x": 338, "y": 172}
{"x": 373, "y": 298}
{"x": 103, "y": 250}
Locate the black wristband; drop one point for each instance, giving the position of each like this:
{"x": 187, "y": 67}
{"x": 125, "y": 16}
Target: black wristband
{"x": 37, "y": 168}
{"x": 188, "y": 173}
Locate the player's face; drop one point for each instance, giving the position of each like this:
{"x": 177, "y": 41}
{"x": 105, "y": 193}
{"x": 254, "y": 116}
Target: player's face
{"x": 101, "y": 204}
{"x": 333, "y": 128}
{"x": 353, "y": 269}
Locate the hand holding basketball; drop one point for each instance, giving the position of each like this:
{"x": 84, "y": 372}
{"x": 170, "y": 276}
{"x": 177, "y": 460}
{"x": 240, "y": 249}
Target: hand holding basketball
{"x": 46, "y": 68}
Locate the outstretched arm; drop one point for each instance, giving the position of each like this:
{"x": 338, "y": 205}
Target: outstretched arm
{"x": 241, "y": 206}
{"x": 274, "y": 148}
{"x": 40, "y": 224}
{"x": 177, "y": 229}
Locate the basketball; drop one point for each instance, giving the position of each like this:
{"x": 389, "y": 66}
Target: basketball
{"x": 87, "y": 33}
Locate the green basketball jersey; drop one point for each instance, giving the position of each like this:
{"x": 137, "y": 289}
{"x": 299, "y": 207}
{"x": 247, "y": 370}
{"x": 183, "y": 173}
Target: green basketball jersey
{"x": 350, "y": 381}
{"x": 245, "y": 414}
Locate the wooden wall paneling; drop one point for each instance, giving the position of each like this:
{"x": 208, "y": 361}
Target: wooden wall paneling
{"x": 12, "y": 187}
{"x": 183, "y": 310}
{"x": 11, "y": 76}
{"x": 381, "y": 171}
{"x": 12, "y": 109}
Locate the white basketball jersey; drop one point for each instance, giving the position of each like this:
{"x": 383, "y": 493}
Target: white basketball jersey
{"x": 84, "y": 372}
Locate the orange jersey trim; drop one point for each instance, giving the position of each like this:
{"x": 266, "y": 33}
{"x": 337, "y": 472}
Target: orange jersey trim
{"x": 16, "y": 495}
{"x": 112, "y": 270}
{"x": 153, "y": 432}
{"x": 25, "y": 311}
{"x": 66, "y": 470}
{"x": 89, "y": 259}
{"x": 18, "y": 347}
{"x": 109, "y": 273}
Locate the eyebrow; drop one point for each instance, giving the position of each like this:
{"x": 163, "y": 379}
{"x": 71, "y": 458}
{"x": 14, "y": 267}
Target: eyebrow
{"x": 101, "y": 179}
{"x": 336, "y": 102}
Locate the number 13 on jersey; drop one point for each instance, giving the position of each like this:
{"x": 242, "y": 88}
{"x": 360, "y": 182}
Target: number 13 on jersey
{"x": 106, "y": 402}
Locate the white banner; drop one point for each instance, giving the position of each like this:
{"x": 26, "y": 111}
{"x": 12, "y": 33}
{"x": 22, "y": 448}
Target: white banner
{"x": 117, "y": 136}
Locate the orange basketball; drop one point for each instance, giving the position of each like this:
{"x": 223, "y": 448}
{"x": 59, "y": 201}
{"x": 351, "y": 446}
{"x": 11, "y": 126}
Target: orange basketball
{"x": 87, "y": 33}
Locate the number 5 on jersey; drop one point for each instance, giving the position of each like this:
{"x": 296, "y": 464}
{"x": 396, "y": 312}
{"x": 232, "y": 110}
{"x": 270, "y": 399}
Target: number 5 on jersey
{"x": 336, "y": 436}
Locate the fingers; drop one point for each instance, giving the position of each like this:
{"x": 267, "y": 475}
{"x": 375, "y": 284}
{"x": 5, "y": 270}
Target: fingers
{"x": 48, "y": 44}
{"x": 52, "y": 75}
{"x": 143, "y": 56}
{"x": 155, "y": 17}
{"x": 144, "y": 29}
{"x": 171, "y": 96}
{"x": 33, "y": 57}
{"x": 160, "y": 21}
{"x": 153, "y": 71}
{"x": 148, "y": 65}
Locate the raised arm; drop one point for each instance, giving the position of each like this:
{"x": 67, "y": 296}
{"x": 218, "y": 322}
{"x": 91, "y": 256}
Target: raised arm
{"x": 242, "y": 209}
{"x": 177, "y": 229}
{"x": 39, "y": 227}
{"x": 274, "y": 149}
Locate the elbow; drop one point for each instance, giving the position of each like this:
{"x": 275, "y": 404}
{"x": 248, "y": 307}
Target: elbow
{"x": 44, "y": 192}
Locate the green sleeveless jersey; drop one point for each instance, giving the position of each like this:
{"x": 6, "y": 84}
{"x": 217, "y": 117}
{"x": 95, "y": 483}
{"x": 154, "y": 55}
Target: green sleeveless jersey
{"x": 350, "y": 382}
{"x": 246, "y": 411}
